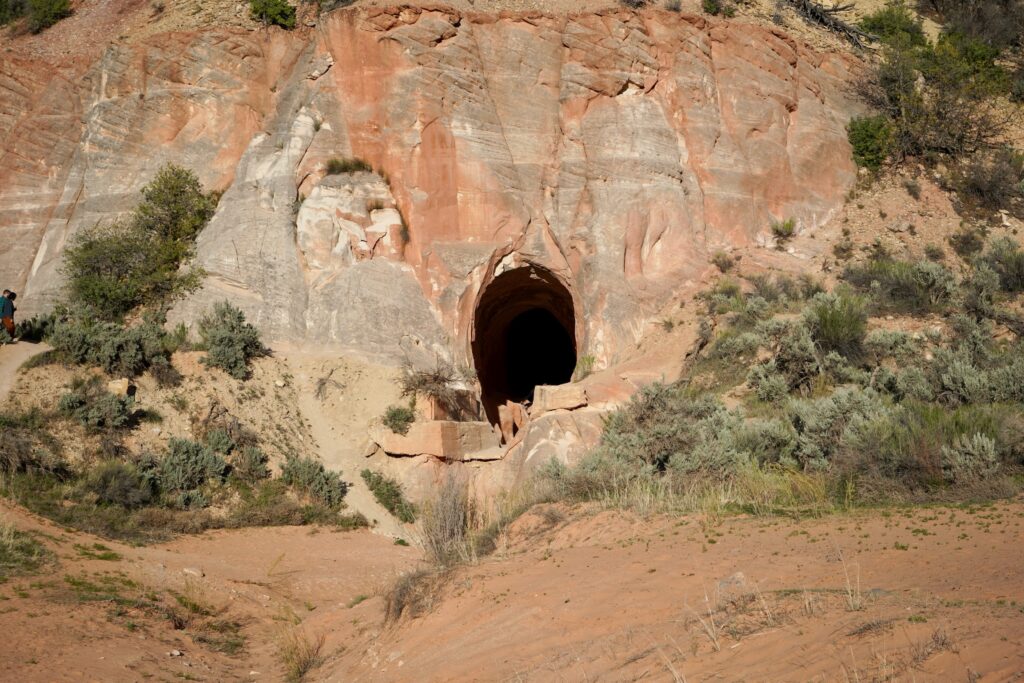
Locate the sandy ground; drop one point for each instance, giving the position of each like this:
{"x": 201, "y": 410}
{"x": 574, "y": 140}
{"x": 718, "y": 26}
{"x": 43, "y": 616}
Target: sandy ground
{"x": 932, "y": 594}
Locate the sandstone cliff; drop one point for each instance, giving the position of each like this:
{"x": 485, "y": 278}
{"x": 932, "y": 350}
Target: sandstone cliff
{"x": 615, "y": 151}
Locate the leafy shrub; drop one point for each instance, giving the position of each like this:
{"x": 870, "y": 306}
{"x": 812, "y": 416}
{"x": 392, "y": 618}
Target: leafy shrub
{"x": 969, "y": 458}
{"x": 109, "y": 270}
{"x": 899, "y": 285}
{"x": 768, "y": 384}
{"x": 310, "y": 478}
{"x": 723, "y": 261}
{"x": 273, "y": 12}
{"x": 120, "y": 351}
{"x": 837, "y": 322}
{"x": 870, "y": 137}
{"x": 118, "y": 483}
{"x": 36, "y": 328}
{"x": 95, "y": 407}
{"x": 249, "y": 464}
{"x": 716, "y": 7}
{"x": 338, "y": 166}
{"x": 399, "y": 419}
{"x": 980, "y": 290}
{"x": 894, "y": 23}
{"x": 934, "y": 252}
{"x": 230, "y": 341}
{"x": 187, "y": 465}
{"x": 219, "y": 441}
{"x": 783, "y": 230}
{"x": 1005, "y": 257}
{"x": 45, "y": 13}
{"x": 389, "y": 494}
{"x": 967, "y": 241}
{"x": 26, "y": 445}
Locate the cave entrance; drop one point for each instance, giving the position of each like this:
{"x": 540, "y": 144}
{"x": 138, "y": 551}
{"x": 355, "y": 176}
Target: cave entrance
{"x": 524, "y": 335}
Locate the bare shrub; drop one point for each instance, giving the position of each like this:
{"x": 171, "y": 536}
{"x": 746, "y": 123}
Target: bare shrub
{"x": 445, "y": 524}
{"x": 299, "y": 654}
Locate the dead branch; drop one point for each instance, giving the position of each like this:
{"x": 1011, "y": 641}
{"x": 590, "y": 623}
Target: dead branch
{"x": 827, "y": 17}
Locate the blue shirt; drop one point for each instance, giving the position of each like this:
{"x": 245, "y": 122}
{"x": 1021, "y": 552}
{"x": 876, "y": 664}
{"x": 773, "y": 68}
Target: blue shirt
{"x": 6, "y": 307}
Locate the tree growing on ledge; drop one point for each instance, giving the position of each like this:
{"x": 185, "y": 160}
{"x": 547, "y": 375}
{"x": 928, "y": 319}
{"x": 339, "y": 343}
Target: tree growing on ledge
{"x": 276, "y": 12}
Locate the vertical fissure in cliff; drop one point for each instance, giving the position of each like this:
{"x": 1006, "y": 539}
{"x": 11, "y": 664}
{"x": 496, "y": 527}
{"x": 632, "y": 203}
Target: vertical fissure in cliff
{"x": 524, "y": 336}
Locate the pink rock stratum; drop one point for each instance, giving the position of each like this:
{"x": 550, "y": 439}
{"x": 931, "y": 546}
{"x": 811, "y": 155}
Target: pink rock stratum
{"x": 616, "y": 151}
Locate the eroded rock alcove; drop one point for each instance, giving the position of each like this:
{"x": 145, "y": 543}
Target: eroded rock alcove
{"x": 524, "y": 335}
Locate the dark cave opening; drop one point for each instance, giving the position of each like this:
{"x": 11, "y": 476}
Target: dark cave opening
{"x": 524, "y": 336}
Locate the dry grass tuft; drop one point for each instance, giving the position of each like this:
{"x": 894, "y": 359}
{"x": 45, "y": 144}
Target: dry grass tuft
{"x": 299, "y": 653}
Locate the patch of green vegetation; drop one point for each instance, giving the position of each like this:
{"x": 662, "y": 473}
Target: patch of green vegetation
{"x": 97, "y": 551}
{"x": 389, "y": 494}
{"x": 20, "y": 552}
{"x": 399, "y": 418}
{"x": 230, "y": 341}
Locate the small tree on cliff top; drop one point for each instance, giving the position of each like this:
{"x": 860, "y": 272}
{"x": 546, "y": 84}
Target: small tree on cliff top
{"x": 277, "y": 12}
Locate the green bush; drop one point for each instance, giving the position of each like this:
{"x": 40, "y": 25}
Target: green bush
{"x": 310, "y": 478}
{"x": 187, "y": 466}
{"x": 273, "y": 12}
{"x": 837, "y": 322}
{"x": 230, "y": 341}
{"x": 903, "y": 286}
{"x": 389, "y": 494}
{"x": 783, "y": 230}
{"x": 95, "y": 407}
{"x": 399, "y": 419}
{"x": 45, "y": 13}
{"x": 894, "y": 23}
{"x": 336, "y": 166}
{"x": 1005, "y": 257}
{"x": 870, "y": 137}
{"x": 110, "y": 270}
{"x": 118, "y": 483}
{"x": 768, "y": 384}
{"x": 120, "y": 351}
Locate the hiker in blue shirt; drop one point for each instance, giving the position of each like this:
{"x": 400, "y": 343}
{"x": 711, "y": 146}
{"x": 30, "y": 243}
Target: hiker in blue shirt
{"x": 7, "y": 310}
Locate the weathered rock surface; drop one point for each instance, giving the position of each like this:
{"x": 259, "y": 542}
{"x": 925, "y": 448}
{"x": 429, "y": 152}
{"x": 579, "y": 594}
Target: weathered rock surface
{"x": 616, "y": 150}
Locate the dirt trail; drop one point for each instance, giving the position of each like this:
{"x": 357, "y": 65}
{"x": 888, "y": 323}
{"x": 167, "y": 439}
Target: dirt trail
{"x": 12, "y": 356}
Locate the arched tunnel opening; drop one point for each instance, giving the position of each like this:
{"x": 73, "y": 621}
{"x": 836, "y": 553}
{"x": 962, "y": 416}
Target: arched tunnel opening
{"x": 524, "y": 336}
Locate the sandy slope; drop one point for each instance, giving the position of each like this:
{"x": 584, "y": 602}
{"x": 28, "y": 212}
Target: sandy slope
{"x": 11, "y": 358}
{"x": 574, "y": 595}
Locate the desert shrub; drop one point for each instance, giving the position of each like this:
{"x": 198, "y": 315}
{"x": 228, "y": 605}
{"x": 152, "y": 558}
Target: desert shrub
{"x": 249, "y": 464}
{"x": 337, "y": 166}
{"x": 934, "y": 252}
{"x": 389, "y": 494}
{"x": 273, "y": 13}
{"x": 870, "y": 137}
{"x": 980, "y": 290}
{"x": 723, "y": 261}
{"x": 796, "y": 356}
{"x": 731, "y": 344}
{"x": 230, "y": 341}
{"x": 399, "y": 419}
{"x": 784, "y": 229}
{"x": 768, "y": 384}
{"x": 94, "y": 407}
{"x": 186, "y": 466}
{"x": 109, "y": 270}
{"x": 895, "y": 23}
{"x": 440, "y": 383}
{"x": 881, "y": 344}
{"x": 904, "y": 286}
{"x": 311, "y": 479}
{"x": 120, "y": 351}
{"x": 718, "y": 7}
{"x": 968, "y": 241}
{"x": 42, "y": 14}
{"x": 938, "y": 98}
{"x": 999, "y": 23}
{"x": 36, "y": 328}
{"x": 119, "y": 483}
{"x": 991, "y": 180}
{"x": 820, "y": 423}
{"x": 1005, "y": 257}
{"x": 837, "y": 322}
{"x": 219, "y": 441}
{"x": 11, "y": 10}
{"x": 26, "y": 444}
{"x": 971, "y": 457}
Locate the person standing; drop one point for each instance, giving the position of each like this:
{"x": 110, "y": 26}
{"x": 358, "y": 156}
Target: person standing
{"x": 7, "y": 311}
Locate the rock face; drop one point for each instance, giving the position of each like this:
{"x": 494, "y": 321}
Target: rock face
{"x": 614, "y": 151}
